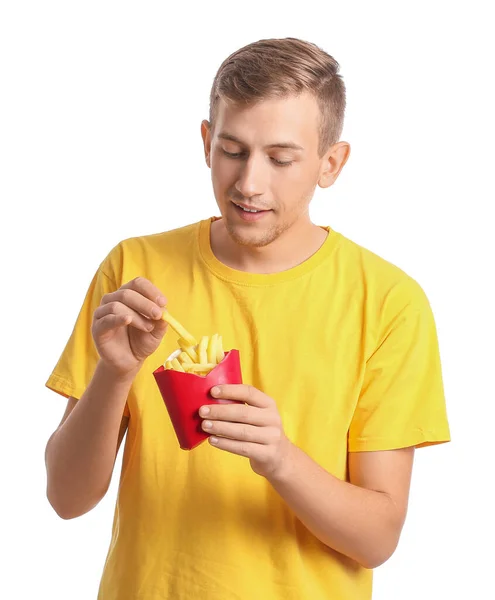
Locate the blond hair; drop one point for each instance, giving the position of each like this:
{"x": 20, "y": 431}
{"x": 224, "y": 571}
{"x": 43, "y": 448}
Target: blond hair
{"x": 279, "y": 68}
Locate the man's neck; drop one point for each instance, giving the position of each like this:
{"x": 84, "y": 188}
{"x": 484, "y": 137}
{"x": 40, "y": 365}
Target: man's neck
{"x": 289, "y": 250}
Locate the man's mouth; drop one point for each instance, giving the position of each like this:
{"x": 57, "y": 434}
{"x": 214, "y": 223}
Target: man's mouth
{"x": 250, "y": 214}
{"x": 250, "y": 209}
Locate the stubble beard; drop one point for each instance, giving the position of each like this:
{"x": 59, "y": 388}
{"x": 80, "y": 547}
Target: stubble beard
{"x": 254, "y": 239}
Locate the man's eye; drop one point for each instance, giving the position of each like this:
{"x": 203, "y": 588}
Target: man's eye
{"x": 281, "y": 163}
{"x": 239, "y": 154}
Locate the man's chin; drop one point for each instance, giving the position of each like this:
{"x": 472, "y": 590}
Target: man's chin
{"x": 245, "y": 236}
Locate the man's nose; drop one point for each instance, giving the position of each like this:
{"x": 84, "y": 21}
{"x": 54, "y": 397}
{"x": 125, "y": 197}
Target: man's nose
{"x": 252, "y": 178}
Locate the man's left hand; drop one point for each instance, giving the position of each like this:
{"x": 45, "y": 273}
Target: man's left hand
{"x": 252, "y": 429}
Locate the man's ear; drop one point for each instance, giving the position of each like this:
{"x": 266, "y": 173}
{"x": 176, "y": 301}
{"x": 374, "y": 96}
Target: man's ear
{"x": 332, "y": 163}
{"x": 206, "y": 135}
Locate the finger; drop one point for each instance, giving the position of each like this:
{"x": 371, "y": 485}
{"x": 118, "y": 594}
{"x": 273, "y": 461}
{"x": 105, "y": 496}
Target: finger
{"x": 119, "y": 310}
{"x": 109, "y": 322}
{"x": 247, "y": 449}
{"x": 240, "y": 432}
{"x": 136, "y": 301}
{"x": 242, "y": 393}
{"x": 146, "y": 289}
{"x": 234, "y": 413}
{"x": 159, "y": 329}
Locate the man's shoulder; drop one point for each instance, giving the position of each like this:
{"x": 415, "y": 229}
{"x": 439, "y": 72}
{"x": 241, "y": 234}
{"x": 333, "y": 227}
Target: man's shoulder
{"x": 379, "y": 277}
{"x": 170, "y": 237}
{"x": 141, "y": 252}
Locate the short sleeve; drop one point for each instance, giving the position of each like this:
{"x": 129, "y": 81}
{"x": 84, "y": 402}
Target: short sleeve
{"x": 76, "y": 365}
{"x": 402, "y": 401}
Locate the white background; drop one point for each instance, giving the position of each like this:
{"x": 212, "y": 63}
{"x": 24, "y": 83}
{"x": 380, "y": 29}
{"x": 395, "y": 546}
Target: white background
{"x": 101, "y": 106}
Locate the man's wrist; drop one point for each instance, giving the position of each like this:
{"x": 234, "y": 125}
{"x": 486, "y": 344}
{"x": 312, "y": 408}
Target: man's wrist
{"x": 116, "y": 377}
{"x": 286, "y": 469}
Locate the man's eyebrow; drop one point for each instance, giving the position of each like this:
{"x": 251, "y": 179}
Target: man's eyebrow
{"x": 289, "y": 145}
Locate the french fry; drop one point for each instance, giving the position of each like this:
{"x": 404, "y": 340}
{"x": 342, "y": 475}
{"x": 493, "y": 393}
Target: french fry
{"x": 195, "y": 368}
{"x": 220, "y": 353}
{"x": 189, "y": 350}
{"x": 184, "y": 358}
{"x": 198, "y": 358}
{"x": 178, "y": 328}
{"x": 177, "y": 366}
{"x": 211, "y": 352}
{"x": 203, "y": 345}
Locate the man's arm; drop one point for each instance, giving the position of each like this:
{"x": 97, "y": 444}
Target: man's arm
{"x": 71, "y": 403}
{"x": 362, "y": 519}
{"x": 80, "y": 454}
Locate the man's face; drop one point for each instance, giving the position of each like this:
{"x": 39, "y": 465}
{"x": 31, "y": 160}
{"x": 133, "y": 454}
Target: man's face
{"x": 251, "y": 167}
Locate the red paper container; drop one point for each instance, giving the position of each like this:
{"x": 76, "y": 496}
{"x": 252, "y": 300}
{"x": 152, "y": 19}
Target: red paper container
{"x": 185, "y": 393}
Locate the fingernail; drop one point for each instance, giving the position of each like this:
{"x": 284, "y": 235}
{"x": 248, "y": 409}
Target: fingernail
{"x": 215, "y": 391}
{"x": 207, "y": 424}
{"x": 161, "y": 300}
{"x": 204, "y": 410}
{"x": 156, "y": 312}
{"x": 213, "y": 440}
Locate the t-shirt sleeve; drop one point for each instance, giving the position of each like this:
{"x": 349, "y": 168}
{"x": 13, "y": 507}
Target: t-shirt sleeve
{"x": 76, "y": 365}
{"x": 402, "y": 401}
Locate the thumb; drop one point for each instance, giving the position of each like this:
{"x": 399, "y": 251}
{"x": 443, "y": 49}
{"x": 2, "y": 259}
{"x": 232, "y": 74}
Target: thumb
{"x": 159, "y": 329}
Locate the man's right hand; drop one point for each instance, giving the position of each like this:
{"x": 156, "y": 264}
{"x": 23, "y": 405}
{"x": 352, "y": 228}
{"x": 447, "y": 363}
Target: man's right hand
{"x": 127, "y": 326}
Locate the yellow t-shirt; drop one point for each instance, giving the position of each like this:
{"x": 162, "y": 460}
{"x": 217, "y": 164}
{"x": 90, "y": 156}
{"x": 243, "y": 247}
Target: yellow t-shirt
{"x": 344, "y": 342}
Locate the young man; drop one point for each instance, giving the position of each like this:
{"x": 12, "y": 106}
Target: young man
{"x": 303, "y": 488}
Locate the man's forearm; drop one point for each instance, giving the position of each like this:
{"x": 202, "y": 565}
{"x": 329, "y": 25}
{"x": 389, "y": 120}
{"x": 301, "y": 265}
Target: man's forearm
{"x": 360, "y": 523}
{"x": 80, "y": 455}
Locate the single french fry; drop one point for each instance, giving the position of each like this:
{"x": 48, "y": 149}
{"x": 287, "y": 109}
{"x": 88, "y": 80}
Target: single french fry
{"x": 212, "y": 349}
{"x": 188, "y": 349}
{"x": 203, "y": 345}
{"x": 201, "y": 368}
{"x": 168, "y": 364}
{"x": 220, "y": 352}
{"x": 192, "y": 353}
{"x": 177, "y": 366}
{"x": 178, "y": 328}
{"x": 184, "y": 358}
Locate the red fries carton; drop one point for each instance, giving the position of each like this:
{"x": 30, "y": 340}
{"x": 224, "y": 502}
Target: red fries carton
{"x": 185, "y": 393}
